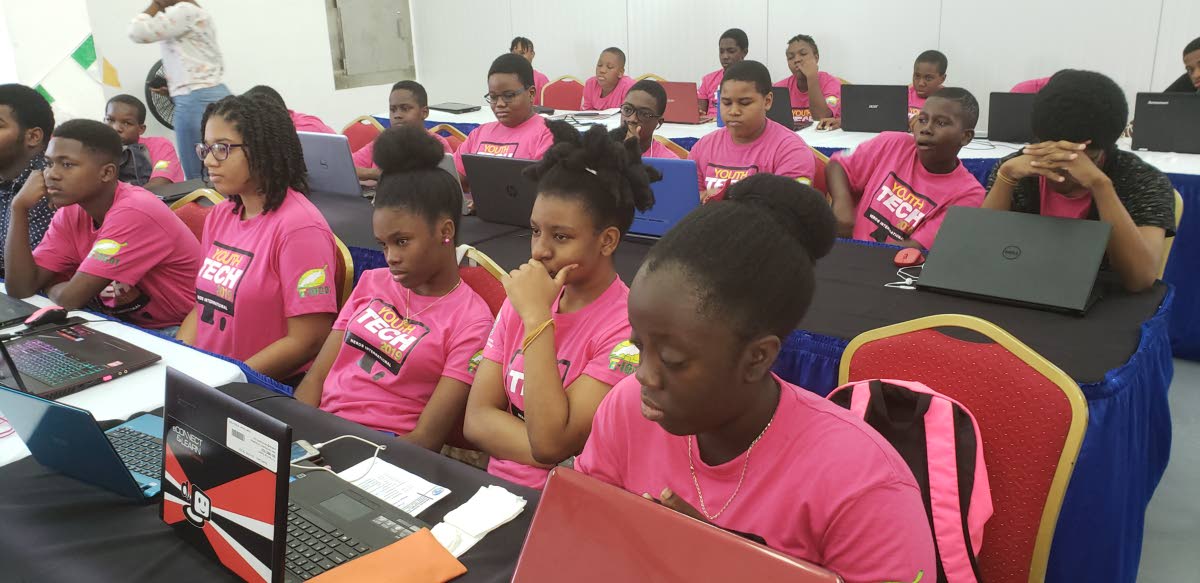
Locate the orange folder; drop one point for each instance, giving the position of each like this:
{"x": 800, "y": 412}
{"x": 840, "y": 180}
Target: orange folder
{"x": 416, "y": 558}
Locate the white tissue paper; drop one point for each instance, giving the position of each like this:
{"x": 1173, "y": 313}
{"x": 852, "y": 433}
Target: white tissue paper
{"x": 466, "y": 525}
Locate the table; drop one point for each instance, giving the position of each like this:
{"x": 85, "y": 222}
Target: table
{"x": 58, "y": 529}
{"x": 138, "y": 391}
{"x": 979, "y": 157}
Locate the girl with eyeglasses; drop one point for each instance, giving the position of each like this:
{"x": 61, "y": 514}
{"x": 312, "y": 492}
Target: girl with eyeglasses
{"x": 641, "y": 114}
{"x": 265, "y": 292}
{"x": 517, "y": 131}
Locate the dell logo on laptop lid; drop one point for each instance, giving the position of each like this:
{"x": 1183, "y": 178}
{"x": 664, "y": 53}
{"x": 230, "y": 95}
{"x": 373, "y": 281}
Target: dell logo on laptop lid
{"x": 1011, "y": 252}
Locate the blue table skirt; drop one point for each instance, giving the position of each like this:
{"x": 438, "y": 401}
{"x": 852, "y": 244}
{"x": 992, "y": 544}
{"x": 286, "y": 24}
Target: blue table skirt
{"x": 1123, "y": 457}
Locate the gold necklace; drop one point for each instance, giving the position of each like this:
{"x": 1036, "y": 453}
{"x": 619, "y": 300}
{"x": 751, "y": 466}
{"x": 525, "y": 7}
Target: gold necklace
{"x": 745, "y": 464}
{"x": 408, "y": 303}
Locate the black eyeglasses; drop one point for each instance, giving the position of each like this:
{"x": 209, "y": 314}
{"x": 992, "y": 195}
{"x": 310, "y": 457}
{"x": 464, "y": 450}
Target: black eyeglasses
{"x": 220, "y": 150}
{"x": 641, "y": 113}
{"x": 506, "y": 97}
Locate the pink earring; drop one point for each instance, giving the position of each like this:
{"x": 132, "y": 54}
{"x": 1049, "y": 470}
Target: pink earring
{"x": 446, "y": 241}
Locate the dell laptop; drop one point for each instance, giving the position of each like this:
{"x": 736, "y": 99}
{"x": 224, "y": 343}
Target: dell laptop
{"x": 1167, "y": 122}
{"x": 874, "y": 108}
{"x": 226, "y": 492}
{"x": 14, "y": 311}
{"x": 126, "y": 459}
{"x": 612, "y": 535}
{"x": 67, "y": 358}
{"x": 329, "y": 163}
{"x": 1047, "y": 263}
{"x": 1010, "y": 117}
{"x": 676, "y": 195}
{"x": 682, "y": 105}
{"x": 502, "y": 194}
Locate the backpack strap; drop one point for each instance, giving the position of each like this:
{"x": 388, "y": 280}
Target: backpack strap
{"x": 859, "y": 397}
{"x": 943, "y": 486}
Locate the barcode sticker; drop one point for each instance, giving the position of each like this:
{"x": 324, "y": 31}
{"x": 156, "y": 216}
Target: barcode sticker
{"x": 251, "y": 444}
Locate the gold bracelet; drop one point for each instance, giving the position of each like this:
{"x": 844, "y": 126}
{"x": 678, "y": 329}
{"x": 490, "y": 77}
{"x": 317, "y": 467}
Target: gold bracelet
{"x": 1002, "y": 178}
{"x": 529, "y": 338}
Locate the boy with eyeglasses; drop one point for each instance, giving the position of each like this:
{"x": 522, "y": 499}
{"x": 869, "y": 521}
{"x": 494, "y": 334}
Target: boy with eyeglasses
{"x": 145, "y": 160}
{"x": 517, "y": 131}
{"x": 126, "y": 253}
{"x": 641, "y": 114}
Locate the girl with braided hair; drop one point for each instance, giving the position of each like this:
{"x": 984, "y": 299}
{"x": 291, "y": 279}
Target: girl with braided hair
{"x": 265, "y": 292}
{"x": 560, "y": 341}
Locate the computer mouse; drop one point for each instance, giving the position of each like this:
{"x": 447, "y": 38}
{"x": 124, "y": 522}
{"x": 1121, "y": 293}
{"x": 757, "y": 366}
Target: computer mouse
{"x": 47, "y": 315}
{"x": 909, "y": 257}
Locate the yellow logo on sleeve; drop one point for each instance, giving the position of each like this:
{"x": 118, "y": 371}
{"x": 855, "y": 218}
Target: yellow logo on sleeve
{"x": 624, "y": 357}
{"x": 106, "y": 250}
{"x": 312, "y": 283}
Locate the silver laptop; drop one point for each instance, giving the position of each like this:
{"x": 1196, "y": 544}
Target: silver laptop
{"x": 330, "y": 166}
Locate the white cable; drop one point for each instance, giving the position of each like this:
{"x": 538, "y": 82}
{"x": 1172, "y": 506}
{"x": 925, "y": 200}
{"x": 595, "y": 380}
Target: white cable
{"x": 378, "y": 448}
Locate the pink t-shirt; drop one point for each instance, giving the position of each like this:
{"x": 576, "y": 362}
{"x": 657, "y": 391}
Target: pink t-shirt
{"x": 901, "y": 200}
{"x": 1030, "y": 86}
{"x": 721, "y": 161}
{"x": 365, "y": 156}
{"x": 915, "y": 102}
{"x": 527, "y": 141}
{"x": 539, "y": 81}
{"x": 593, "y": 341}
{"x": 820, "y": 485}
{"x": 658, "y": 150}
{"x": 309, "y": 123}
{"x": 387, "y": 369}
{"x": 592, "y": 100}
{"x": 258, "y": 272}
{"x": 831, "y": 88}
{"x": 709, "y": 85}
{"x": 163, "y": 159}
{"x": 1068, "y": 207}
{"x": 148, "y": 253}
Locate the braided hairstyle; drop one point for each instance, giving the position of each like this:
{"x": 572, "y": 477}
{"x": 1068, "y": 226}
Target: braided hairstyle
{"x": 411, "y": 180}
{"x": 608, "y": 177}
{"x": 272, "y": 147}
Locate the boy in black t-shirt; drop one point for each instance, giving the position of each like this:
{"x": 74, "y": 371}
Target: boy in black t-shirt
{"x": 1076, "y": 171}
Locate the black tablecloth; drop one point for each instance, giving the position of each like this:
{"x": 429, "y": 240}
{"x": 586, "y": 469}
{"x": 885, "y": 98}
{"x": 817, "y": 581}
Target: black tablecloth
{"x": 350, "y": 218}
{"x": 54, "y": 528}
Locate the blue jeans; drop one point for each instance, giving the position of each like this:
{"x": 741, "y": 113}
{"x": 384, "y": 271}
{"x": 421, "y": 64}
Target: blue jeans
{"x": 189, "y": 110}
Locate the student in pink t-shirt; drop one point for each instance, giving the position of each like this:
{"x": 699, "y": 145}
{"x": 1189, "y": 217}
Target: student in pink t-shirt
{"x": 705, "y": 428}
{"x": 408, "y": 104}
{"x": 125, "y": 253}
{"x": 895, "y": 188}
{"x": 561, "y": 338}
{"x": 732, "y": 47}
{"x": 749, "y": 143}
{"x": 265, "y": 291}
{"x": 524, "y": 47}
{"x": 517, "y": 131}
{"x": 1030, "y": 86}
{"x": 404, "y": 349}
{"x": 608, "y": 87}
{"x": 929, "y": 75}
{"x": 145, "y": 160}
{"x": 302, "y": 121}
{"x": 816, "y": 95}
{"x": 641, "y": 114}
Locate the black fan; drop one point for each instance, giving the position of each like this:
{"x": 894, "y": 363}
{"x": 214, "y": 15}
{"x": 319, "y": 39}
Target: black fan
{"x": 161, "y": 106}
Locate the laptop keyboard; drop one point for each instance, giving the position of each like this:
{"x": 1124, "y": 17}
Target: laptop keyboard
{"x": 141, "y": 452}
{"x": 48, "y": 364}
{"x": 315, "y": 545}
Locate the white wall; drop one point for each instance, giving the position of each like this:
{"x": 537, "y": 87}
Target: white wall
{"x": 37, "y": 39}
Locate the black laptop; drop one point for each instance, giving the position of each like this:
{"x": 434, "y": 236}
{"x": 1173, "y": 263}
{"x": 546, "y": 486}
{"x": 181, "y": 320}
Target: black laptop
{"x": 781, "y": 108}
{"x": 453, "y": 107}
{"x": 1047, "y": 263}
{"x": 14, "y": 311}
{"x": 1167, "y": 122}
{"x": 226, "y": 492}
{"x": 875, "y": 108}
{"x": 501, "y": 193}
{"x": 176, "y": 190}
{"x": 60, "y": 360}
{"x": 1010, "y": 117}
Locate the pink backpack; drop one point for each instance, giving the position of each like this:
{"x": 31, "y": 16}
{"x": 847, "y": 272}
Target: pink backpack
{"x": 940, "y": 441}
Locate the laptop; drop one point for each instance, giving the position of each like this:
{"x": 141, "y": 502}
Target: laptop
{"x": 682, "y": 105}
{"x": 1167, "y": 122}
{"x": 1010, "y": 117}
{"x": 329, "y": 163}
{"x": 226, "y": 492}
{"x": 453, "y": 107}
{"x": 126, "y": 459}
{"x": 676, "y": 195}
{"x": 612, "y": 535}
{"x": 67, "y": 358}
{"x": 14, "y": 311}
{"x": 875, "y": 108}
{"x": 501, "y": 193}
{"x": 1047, "y": 263}
{"x": 177, "y": 190}
{"x": 781, "y": 108}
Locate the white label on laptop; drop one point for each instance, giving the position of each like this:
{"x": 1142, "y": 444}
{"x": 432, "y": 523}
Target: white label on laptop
{"x": 255, "y": 446}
